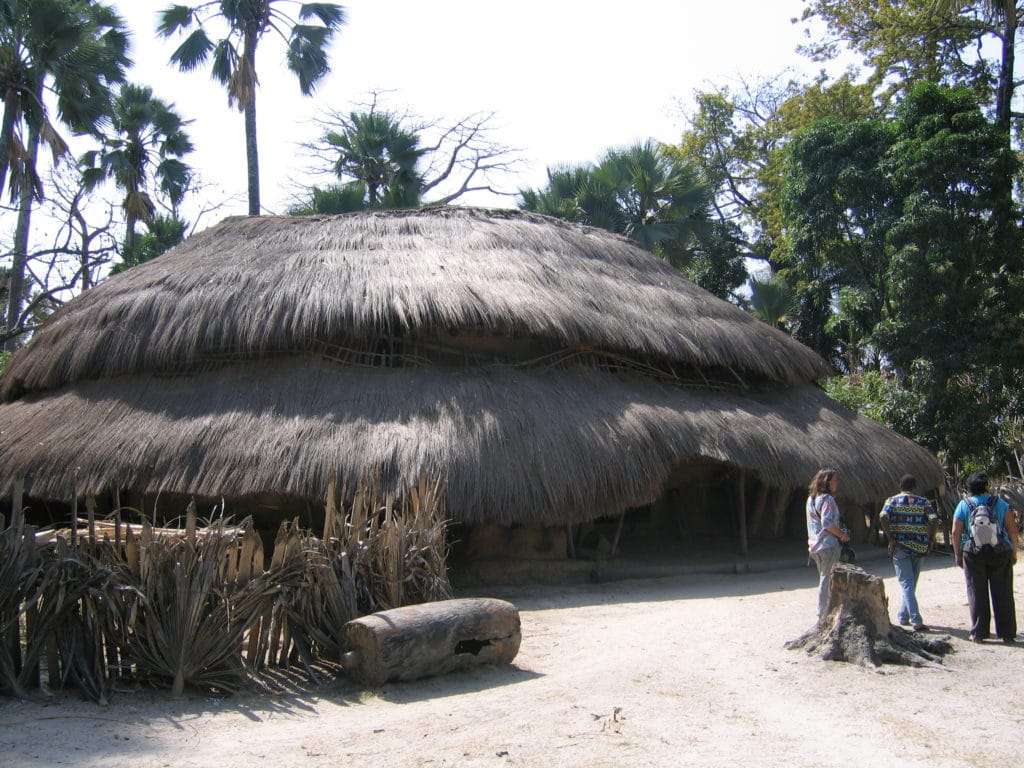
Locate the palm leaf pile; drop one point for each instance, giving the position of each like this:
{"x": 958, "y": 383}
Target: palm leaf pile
{"x": 102, "y": 602}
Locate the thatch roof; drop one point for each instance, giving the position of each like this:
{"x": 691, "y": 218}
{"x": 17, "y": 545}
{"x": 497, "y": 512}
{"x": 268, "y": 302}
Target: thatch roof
{"x": 252, "y": 287}
{"x": 537, "y": 447}
{"x": 204, "y": 372}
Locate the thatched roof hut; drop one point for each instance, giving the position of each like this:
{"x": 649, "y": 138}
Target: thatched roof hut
{"x": 551, "y": 372}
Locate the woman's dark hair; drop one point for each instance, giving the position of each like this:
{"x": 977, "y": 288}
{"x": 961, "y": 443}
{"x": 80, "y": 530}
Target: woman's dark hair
{"x": 821, "y": 482}
{"x": 977, "y": 483}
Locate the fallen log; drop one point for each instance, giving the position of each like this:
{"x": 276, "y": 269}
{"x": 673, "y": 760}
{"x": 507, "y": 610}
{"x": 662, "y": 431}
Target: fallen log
{"x": 856, "y": 628}
{"x": 430, "y": 639}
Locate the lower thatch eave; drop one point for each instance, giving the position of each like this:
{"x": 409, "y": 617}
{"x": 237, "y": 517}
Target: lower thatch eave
{"x": 527, "y": 447}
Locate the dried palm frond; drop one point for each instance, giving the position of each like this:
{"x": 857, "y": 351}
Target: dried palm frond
{"x": 86, "y": 600}
{"x": 191, "y": 621}
{"x": 20, "y": 572}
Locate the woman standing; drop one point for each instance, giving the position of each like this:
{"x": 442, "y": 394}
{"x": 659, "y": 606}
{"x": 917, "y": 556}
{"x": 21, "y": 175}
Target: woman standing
{"x": 825, "y": 533}
{"x": 987, "y": 569}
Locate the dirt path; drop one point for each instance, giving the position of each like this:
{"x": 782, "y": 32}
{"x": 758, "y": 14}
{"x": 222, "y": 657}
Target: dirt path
{"x": 681, "y": 671}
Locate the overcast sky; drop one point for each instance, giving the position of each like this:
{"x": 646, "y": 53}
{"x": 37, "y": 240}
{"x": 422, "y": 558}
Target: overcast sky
{"x": 567, "y": 78}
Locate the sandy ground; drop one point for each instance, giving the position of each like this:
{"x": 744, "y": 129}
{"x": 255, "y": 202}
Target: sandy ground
{"x": 688, "y": 670}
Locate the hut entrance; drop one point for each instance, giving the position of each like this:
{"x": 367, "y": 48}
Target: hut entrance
{"x": 707, "y": 506}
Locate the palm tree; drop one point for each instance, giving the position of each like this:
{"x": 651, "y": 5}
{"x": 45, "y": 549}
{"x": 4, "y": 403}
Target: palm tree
{"x": 145, "y": 144}
{"x": 376, "y": 151}
{"x": 234, "y": 55}
{"x": 560, "y": 197}
{"x": 75, "y": 48}
{"x": 772, "y": 300}
{"x": 643, "y": 192}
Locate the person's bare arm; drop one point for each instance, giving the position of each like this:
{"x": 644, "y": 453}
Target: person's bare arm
{"x": 1010, "y": 523}
{"x": 958, "y": 532}
{"x": 883, "y": 521}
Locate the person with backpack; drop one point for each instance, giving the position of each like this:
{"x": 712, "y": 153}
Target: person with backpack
{"x": 985, "y": 546}
{"x": 909, "y": 522}
{"x": 825, "y": 532}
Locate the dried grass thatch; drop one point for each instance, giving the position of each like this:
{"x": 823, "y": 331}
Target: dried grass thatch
{"x": 515, "y": 446}
{"x": 255, "y": 287}
{"x": 221, "y": 369}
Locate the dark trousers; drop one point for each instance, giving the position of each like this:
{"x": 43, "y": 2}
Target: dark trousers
{"x": 991, "y": 573}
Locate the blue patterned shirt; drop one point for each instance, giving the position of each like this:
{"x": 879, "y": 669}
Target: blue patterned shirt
{"x": 822, "y": 513}
{"x": 910, "y": 521}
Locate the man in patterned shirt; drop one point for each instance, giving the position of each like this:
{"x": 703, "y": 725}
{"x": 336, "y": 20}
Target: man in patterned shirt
{"x": 909, "y": 522}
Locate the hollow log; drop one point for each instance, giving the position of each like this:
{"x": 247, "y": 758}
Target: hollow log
{"x": 856, "y": 628}
{"x": 430, "y": 639}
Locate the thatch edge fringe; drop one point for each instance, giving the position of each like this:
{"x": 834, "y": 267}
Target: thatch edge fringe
{"x": 521, "y": 447}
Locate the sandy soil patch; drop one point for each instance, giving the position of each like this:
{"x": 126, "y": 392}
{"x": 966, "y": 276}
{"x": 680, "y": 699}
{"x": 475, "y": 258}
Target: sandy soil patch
{"x": 688, "y": 670}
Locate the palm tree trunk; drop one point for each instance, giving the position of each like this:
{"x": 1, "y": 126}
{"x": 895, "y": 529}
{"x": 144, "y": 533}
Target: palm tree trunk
{"x": 251, "y": 152}
{"x": 130, "y": 235}
{"x": 19, "y": 254}
{"x": 252, "y": 158}
{"x": 7, "y": 132}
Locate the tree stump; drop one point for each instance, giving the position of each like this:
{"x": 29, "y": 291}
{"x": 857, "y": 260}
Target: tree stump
{"x": 856, "y": 627}
{"x": 430, "y": 639}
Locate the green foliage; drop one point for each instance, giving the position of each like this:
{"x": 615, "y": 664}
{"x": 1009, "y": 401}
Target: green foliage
{"x": 738, "y": 141}
{"x": 5, "y": 358}
{"x": 245, "y": 22}
{"x": 164, "y": 232}
{"x": 906, "y": 250}
{"x": 903, "y": 42}
{"x": 651, "y": 195}
{"x": 878, "y": 396}
{"x": 376, "y": 151}
{"x": 332, "y": 200}
{"x": 772, "y": 300}
{"x": 78, "y": 51}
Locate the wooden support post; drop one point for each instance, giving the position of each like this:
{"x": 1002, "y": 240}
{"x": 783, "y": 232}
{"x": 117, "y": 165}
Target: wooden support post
{"x": 74, "y": 520}
{"x": 570, "y": 541}
{"x": 32, "y": 612}
{"x": 90, "y": 505}
{"x": 760, "y": 506}
{"x": 17, "y": 504}
{"x": 741, "y": 511}
{"x": 190, "y": 522}
{"x": 618, "y": 534}
{"x": 331, "y": 512}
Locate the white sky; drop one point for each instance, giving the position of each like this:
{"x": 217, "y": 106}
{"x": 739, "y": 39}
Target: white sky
{"x": 567, "y": 78}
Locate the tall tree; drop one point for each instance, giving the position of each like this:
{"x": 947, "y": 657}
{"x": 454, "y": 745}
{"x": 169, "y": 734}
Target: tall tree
{"x": 905, "y": 42}
{"x": 908, "y": 227}
{"x": 1001, "y": 19}
{"x": 234, "y": 55}
{"x": 738, "y": 139}
{"x": 143, "y": 147}
{"x": 77, "y": 50}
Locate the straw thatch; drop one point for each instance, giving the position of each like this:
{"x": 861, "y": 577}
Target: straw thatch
{"x": 252, "y": 287}
{"x": 545, "y": 369}
{"x": 523, "y": 446}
